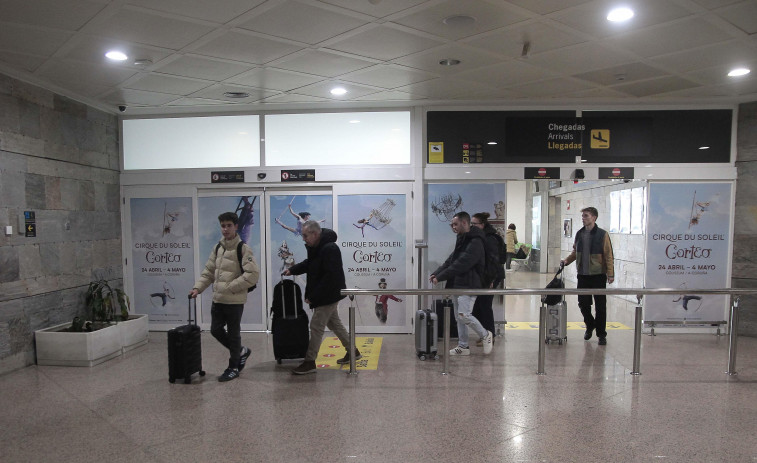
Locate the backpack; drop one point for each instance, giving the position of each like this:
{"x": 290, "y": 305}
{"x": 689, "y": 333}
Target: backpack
{"x": 239, "y": 259}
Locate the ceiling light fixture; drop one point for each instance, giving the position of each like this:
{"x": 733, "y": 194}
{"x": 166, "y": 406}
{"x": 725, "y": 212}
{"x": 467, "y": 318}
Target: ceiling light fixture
{"x": 354, "y": 121}
{"x": 236, "y": 95}
{"x": 738, "y": 72}
{"x": 144, "y": 62}
{"x": 449, "y": 62}
{"x": 459, "y": 20}
{"x": 492, "y": 143}
{"x": 621, "y": 14}
{"x": 116, "y": 55}
{"x": 338, "y": 91}
{"x": 704, "y": 147}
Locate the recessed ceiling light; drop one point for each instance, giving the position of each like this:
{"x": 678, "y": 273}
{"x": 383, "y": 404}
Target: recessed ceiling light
{"x": 704, "y": 147}
{"x": 492, "y": 143}
{"x": 449, "y": 62}
{"x": 620, "y": 14}
{"x": 338, "y": 91}
{"x": 459, "y": 20}
{"x": 738, "y": 72}
{"x": 116, "y": 55}
{"x": 354, "y": 121}
{"x": 142, "y": 62}
{"x": 236, "y": 94}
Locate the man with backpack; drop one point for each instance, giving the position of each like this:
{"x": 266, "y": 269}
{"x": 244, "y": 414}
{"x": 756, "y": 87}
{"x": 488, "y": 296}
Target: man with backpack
{"x": 232, "y": 270}
{"x": 463, "y": 269}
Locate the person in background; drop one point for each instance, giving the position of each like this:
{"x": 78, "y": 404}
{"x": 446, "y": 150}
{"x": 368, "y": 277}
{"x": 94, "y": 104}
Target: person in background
{"x": 325, "y": 280}
{"x": 230, "y": 279}
{"x": 463, "y": 270}
{"x": 482, "y": 308}
{"x": 511, "y": 240}
{"x": 592, "y": 252}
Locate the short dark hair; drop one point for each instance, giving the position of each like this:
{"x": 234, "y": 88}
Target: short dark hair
{"x": 229, "y": 217}
{"x": 304, "y": 214}
{"x": 483, "y": 217}
{"x": 591, "y": 210}
{"x": 464, "y": 216}
{"x": 511, "y": 226}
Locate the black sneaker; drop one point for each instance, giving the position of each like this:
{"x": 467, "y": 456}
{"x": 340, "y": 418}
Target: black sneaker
{"x": 602, "y": 341}
{"x": 228, "y": 375}
{"x": 587, "y": 334}
{"x": 346, "y": 359}
{"x": 305, "y": 368}
{"x": 243, "y": 358}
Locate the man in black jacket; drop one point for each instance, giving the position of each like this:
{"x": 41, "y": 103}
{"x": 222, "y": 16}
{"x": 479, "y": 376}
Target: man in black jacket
{"x": 463, "y": 269}
{"x": 325, "y": 280}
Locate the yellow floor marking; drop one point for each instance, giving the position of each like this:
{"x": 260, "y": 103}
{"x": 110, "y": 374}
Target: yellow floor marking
{"x": 571, "y": 326}
{"x": 332, "y": 350}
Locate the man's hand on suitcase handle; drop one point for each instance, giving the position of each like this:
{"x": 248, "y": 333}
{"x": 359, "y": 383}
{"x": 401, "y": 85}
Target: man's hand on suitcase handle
{"x": 193, "y": 294}
{"x": 286, "y": 273}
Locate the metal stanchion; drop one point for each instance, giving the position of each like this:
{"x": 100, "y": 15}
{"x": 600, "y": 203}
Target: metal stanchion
{"x": 637, "y": 339}
{"x": 542, "y": 337}
{"x": 445, "y": 362}
{"x": 353, "y": 366}
{"x": 733, "y": 338}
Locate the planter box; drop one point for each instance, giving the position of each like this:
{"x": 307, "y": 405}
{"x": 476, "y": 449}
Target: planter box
{"x": 56, "y": 347}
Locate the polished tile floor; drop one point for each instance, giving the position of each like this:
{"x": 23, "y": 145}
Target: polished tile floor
{"x": 587, "y": 407}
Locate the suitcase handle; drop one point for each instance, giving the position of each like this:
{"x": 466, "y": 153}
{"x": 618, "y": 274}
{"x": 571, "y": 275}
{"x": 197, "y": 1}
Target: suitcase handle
{"x": 189, "y": 310}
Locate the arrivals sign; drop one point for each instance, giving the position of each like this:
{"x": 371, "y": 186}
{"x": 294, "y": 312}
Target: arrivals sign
{"x": 688, "y": 235}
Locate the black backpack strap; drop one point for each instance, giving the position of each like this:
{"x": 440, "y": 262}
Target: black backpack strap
{"x": 239, "y": 255}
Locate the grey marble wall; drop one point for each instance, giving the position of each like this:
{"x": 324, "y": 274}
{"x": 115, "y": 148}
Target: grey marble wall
{"x": 745, "y": 225}
{"x": 58, "y": 158}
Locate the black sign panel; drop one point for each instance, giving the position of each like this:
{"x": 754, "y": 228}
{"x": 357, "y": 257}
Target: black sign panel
{"x": 298, "y": 175}
{"x": 541, "y": 173}
{"x": 229, "y": 176}
{"x": 30, "y": 224}
{"x": 544, "y": 137}
{"x": 616, "y": 172}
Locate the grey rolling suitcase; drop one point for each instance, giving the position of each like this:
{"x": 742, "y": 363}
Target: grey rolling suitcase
{"x": 557, "y": 323}
{"x": 426, "y": 326}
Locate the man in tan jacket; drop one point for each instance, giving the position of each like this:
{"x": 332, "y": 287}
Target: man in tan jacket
{"x": 232, "y": 270}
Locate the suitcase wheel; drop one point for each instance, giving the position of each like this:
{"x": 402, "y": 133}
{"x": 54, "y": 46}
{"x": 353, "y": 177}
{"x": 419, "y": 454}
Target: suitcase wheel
{"x": 187, "y": 380}
{"x": 546, "y": 341}
{"x": 171, "y": 380}
{"x": 436, "y": 357}
{"x": 559, "y": 341}
{"x": 422, "y": 357}
{"x": 202, "y": 372}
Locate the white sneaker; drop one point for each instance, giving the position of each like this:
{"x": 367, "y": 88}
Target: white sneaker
{"x": 460, "y": 351}
{"x": 487, "y": 342}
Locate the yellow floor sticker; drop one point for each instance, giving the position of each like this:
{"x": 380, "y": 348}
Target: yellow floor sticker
{"x": 332, "y": 350}
{"x": 571, "y": 326}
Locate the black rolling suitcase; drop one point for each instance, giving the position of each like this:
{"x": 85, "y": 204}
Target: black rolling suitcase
{"x": 439, "y": 306}
{"x": 185, "y": 349}
{"x": 290, "y": 326}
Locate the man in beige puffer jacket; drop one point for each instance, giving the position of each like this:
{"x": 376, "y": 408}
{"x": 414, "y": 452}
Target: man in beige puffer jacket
{"x": 231, "y": 278}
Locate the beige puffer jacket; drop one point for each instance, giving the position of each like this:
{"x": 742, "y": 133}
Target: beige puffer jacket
{"x": 222, "y": 271}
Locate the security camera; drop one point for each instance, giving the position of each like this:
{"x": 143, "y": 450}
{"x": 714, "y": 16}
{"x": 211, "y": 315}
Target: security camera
{"x": 122, "y": 107}
{"x": 261, "y": 175}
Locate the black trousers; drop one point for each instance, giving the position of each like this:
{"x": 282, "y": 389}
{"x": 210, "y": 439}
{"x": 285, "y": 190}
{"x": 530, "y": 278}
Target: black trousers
{"x": 225, "y": 327}
{"x": 482, "y": 310}
{"x": 599, "y": 321}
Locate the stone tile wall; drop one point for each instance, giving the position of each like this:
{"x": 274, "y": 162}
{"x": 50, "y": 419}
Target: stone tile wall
{"x": 744, "y": 274}
{"x": 58, "y": 158}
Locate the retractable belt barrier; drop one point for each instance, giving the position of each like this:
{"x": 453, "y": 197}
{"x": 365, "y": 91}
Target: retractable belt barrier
{"x": 732, "y": 323}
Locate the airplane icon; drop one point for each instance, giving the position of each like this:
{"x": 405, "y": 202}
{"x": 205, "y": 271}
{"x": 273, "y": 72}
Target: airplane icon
{"x": 598, "y": 137}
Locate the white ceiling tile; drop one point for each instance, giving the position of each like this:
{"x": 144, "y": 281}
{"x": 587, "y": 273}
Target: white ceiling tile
{"x": 724, "y": 53}
{"x": 384, "y": 43}
{"x": 713, "y": 4}
{"x": 546, "y": 6}
{"x": 202, "y": 68}
{"x": 301, "y": 22}
{"x": 27, "y": 63}
{"x": 141, "y": 27}
{"x": 69, "y": 71}
{"x": 220, "y": 11}
{"x": 487, "y": 16}
{"x": 655, "y": 86}
{"x": 138, "y": 98}
{"x": 581, "y": 58}
{"x": 275, "y": 79}
{"x": 390, "y": 95}
{"x": 742, "y": 15}
{"x": 469, "y": 57}
{"x": 672, "y": 38}
{"x": 92, "y": 49}
{"x": 196, "y": 102}
{"x": 293, "y": 98}
{"x": 629, "y": 72}
{"x": 598, "y": 93}
{"x": 552, "y": 88}
{"x": 513, "y": 72}
{"x": 718, "y": 75}
{"x": 246, "y": 47}
{"x": 591, "y": 18}
{"x": 377, "y": 10}
{"x": 388, "y": 76}
{"x": 322, "y": 90}
{"x": 163, "y": 83}
{"x": 322, "y": 63}
{"x": 444, "y": 87}
{"x": 509, "y": 42}
{"x": 68, "y": 15}
{"x": 31, "y": 40}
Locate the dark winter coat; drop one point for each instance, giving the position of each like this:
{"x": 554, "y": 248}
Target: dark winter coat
{"x": 324, "y": 271}
{"x": 464, "y": 267}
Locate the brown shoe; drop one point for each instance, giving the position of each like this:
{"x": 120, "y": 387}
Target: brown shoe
{"x": 346, "y": 359}
{"x": 305, "y": 368}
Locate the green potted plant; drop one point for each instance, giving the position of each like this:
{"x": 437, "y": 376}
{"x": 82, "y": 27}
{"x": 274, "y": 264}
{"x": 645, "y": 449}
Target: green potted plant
{"x": 102, "y": 301}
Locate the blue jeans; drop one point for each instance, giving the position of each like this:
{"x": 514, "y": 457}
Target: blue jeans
{"x": 465, "y": 319}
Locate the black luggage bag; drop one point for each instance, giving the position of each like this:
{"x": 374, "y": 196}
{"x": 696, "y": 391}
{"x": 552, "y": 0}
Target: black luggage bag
{"x": 185, "y": 349}
{"x": 439, "y": 306}
{"x": 290, "y": 326}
